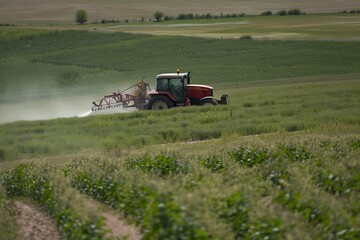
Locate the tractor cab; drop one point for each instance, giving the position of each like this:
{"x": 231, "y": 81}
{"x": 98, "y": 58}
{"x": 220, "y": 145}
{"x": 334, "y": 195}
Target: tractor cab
{"x": 173, "y": 85}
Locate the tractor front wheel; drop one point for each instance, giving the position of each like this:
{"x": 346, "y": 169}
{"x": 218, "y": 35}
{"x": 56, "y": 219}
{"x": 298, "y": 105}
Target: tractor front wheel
{"x": 208, "y": 102}
{"x": 159, "y": 103}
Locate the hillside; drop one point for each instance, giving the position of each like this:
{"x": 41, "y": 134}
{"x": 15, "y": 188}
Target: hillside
{"x": 280, "y": 161}
{"x": 41, "y": 11}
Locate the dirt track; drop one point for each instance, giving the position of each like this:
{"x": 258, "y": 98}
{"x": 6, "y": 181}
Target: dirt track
{"x": 34, "y": 224}
{"x": 119, "y": 228}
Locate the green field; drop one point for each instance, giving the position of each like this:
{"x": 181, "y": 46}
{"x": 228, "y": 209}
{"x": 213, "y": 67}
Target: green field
{"x": 281, "y": 161}
{"x": 53, "y": 73}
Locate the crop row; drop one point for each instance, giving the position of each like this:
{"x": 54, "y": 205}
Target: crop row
{"x": 152, "y": 192}
{"x": 160, "y": 213}
{"x": 114, "y": 188}
{"x": 25, "y": 180}
{"x": 163, "y": 165}
{"x": 235, "y": 212}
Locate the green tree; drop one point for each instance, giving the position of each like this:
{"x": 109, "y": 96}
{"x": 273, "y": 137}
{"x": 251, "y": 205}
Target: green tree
{"x": 81, "y": 16}
{"x": 294, "y": 11}
{"x": 158, "y": 15}
{"x": 266, "y": 13}
{"x": 281, "y": 13}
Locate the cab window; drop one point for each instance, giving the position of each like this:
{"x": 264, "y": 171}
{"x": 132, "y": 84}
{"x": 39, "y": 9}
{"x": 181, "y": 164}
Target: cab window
{"x": 175, "y": 83}
{"x": 162, "y": 85}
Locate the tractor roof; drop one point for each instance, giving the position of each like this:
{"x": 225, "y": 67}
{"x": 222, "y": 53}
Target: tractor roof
{"x": 172, "y": 75}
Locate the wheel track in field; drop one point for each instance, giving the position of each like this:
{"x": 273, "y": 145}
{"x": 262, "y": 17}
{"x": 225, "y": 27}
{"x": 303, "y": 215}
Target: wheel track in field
{"x": 33, "y": 223}
{"x": 113, "y": 222}
{"x": 120, "y": 228}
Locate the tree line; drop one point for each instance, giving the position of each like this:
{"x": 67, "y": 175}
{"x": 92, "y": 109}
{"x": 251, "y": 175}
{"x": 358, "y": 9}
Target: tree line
{"x": 81, "y": 16}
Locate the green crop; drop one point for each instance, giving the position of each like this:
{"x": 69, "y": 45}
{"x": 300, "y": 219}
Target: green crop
{"x": 25, "y": 181}
{"x": 160, "y": 165}
{"x": 159, "y": 214}
{"x": 236, "y": 213}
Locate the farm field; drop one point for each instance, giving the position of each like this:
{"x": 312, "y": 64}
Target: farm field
{"x": 52, "y": 73}
{"x": 40, "y": 11}
{"x": 281, "y": 161}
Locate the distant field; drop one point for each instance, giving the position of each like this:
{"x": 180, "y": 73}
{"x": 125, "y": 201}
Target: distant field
{"x": 306, "y": 27}
{"x": 42, "y": 11}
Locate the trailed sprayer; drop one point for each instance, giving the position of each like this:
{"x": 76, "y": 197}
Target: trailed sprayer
{"x": 172, "y": 90}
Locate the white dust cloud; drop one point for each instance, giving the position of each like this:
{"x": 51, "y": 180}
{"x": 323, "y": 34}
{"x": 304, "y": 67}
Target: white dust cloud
{"x": 51, "y": 103}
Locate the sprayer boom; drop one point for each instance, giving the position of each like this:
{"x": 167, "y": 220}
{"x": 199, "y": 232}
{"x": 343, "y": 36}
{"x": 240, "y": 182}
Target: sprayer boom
{"x": 134, "y": 96}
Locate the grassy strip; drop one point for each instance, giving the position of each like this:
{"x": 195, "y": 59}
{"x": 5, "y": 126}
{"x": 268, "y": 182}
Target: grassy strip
{"x": 26, "y": 180}
{"x": 7, "y": 220}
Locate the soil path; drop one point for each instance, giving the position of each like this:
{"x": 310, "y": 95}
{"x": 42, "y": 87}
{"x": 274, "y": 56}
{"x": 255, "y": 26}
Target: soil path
{"x": 34, "y": 224}
{"x": 119, "y": 228}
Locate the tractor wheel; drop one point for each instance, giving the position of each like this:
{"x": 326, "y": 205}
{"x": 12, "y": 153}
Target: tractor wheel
{"x": 208, "y": 102}
{"x": 159, "y": 103}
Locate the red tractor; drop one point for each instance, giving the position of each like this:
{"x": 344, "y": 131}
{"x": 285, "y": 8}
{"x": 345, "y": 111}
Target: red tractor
{"x": 174, "y": 89}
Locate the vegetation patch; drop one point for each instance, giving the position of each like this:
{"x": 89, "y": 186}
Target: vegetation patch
{"x": 167, "y": 220}
{"x": 235, "y": 212}
{"x": 309, "y": 210}
{"x": 339, "y": 185}
{"x": 7, "y": 220}
{"x": 249, "y": 157}
{"x": 26, "y": 181}
{"x": 213, "y": 163}
{"x": 294, "y": 153}
{"x": 161, "y": 165}
{"x": 160, "y": 215}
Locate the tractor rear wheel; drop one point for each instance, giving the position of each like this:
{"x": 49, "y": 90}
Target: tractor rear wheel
{"x": 208, "y": 102}
{"x": 159, "y": 103}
